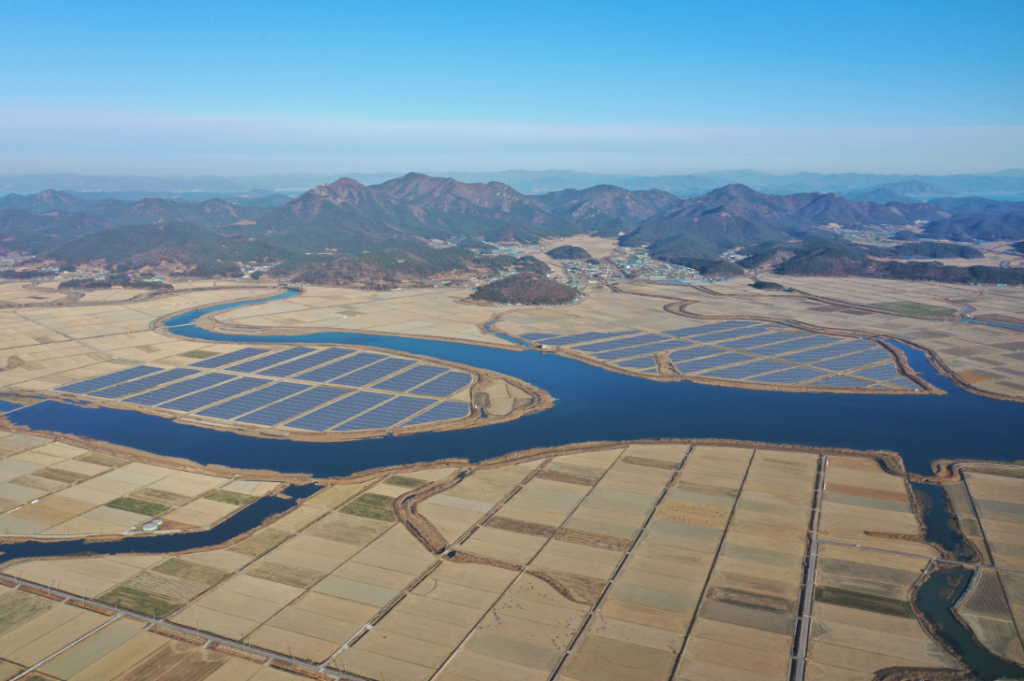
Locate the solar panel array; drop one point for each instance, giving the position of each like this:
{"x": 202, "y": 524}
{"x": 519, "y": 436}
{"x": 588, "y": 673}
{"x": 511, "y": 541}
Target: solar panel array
{"x": 144, "y": 383}
{"x": 307, "y": 362}
{"x": 639, "y": 362}
{"x": 246, "y": 403}
{"x": 789, "y": 376}
{"x": 215, "y": 394}
{"x": 621, "y": 343}
{"x": 879, "y": 373}
{"x": 154, "y": 397}
{"x": 820, "y": 353}
{"x": 387, "y": 414}
{"x": 643, "y": 349}
{"x": 584, "y": 337}
{"x": 236, "y": 356}
{"x": 410, "y": 379}
{"x": 747, "y": 370}
{"x": 702, "y": 363}
{"x": 292, "y": 407}
{"x": 708, "y": 328}
{"x": 537, "y": 336}
{"x": 89, "y": 385}
{"x": 694, "y": 353}
{"x": 797, "y": 343}
{"x": 443, "y": 386}
{"x": 444, "y": 411}
{"x": 857, "y": 359}
{"x": 905, "y": 383}
{"x": 374, "y": 372}
{"x": 755, "y": 341}
{"x": 255, "y": 365}
{"x": 840, "y": 382}
{"x": 730, "y": 334}
{"x": 335, "y": 369}
{"x": 336, "y": 412}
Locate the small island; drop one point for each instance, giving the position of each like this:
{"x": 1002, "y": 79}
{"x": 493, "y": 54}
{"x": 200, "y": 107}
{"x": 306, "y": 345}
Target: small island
{"x": 525, "y": 288}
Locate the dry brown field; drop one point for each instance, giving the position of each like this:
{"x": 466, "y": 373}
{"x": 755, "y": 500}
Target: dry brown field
{"x": 639, "y": 561}
{"x": 54, "y": 489}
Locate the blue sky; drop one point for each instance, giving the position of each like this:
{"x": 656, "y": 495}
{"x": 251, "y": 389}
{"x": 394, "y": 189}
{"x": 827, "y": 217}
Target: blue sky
{"x": 232, "y": 88}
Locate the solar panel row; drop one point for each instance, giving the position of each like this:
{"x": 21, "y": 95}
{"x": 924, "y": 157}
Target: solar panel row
{"x": 730, "y": 334}
{"x": 643, "y": 349}
{"x": 290, "y": 408}
{"x": 584, "y": 337}
{"x": 621, "y": 343}
{"x": 840, "y": 382}
{"x": 708, "y": 328}
{"x": 537, "y": 336}
{"x": 374, "y": 372}
{"x": 443, "y": 386}
{"x": 639, "y": 362}
{"x": 387, "y": 414}
{"x": 170, "y": 392}
{"x": 254, "y": 365}
{"x": 818, "y": 354}
{"x": 246, "y": 403}
{"x": 335, "y": 369}
{"x": 703, "y": 363}
{"x": 215, "y": 394}
{"x": 802, "y": 344}
{"x": 905, "y": 383}
{"x": 790, "y": 376}
{"x": 87, "y": 386}
{"x": 336, "y": 412}
{"x": 694, "y": 353}
{"x": 857, "y": 359}
{"x": 144, "y": 383}
{"x": 307, "y": 362}
{"x": 444, "y": 411}
{"x": 236, "y": 356}
{"x": 755, "y": 341}
{"x": 411, "y": 378}
{"x": 879, "y": 373}
{"x": 747, "y": 370}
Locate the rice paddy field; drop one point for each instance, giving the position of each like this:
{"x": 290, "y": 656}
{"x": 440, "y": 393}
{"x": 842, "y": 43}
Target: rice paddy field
{"x": 54, "y": 489}
{"x": 642, "y": 561}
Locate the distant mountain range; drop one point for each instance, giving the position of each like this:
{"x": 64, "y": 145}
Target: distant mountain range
{"x": 1003, "y": 184}
{"x": 347, "y": 216}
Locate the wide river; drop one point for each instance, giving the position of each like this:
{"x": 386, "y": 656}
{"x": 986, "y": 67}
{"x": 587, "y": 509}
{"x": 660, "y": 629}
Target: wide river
{"x": 591, "y": 404}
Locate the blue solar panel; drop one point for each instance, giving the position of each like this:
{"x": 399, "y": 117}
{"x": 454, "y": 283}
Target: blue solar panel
{"x": 246, "y": 403}
{"x": 708, "y": 328}
{"x": 335, "y": 369}
{"x": 410, "y": 379}
{"x": 643, "y": 349}
{"x": 443, "y": 386}
{"x": 307, "y": 362}
{"x": 798, "y": 344}
{"x": 442, "y": 412}
{"x": 730, "y": 334}
{"x": 905, "y": 383}
{"x": 638, "y": 363}
{"x": 83, "y": 387}
{"x": 374, "y": 372}
{"x": 336, "y": 412}
{"x": 755, "y": 341}
{"x": 879, "y": 373}
{"x": 290, "y": 408}
{"x": 858, "y": 359}
{"x": 621, "y": 343}
{"x": 820, "y": 353}
{"x": 694, "y": 353}
{"x": 178, "y": 389}
{"x": 789, "y": 376}
{"x": 215, "y": 394}
{"x": 387, "y": 414}
{"x": 839, "y": 382}
{"x": 537, "y": 336}
{"x": 747, "y": 370}
{"x": 702, "y": 363}
{"x": 236, "y": 356}
{"x": 584, "y": 337}
{"x": 144, "y": 383}
{"x": 255, "y": 365}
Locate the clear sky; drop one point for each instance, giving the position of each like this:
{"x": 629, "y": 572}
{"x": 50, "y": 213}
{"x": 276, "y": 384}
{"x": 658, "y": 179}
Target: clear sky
{"x": 228, "y": 87}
